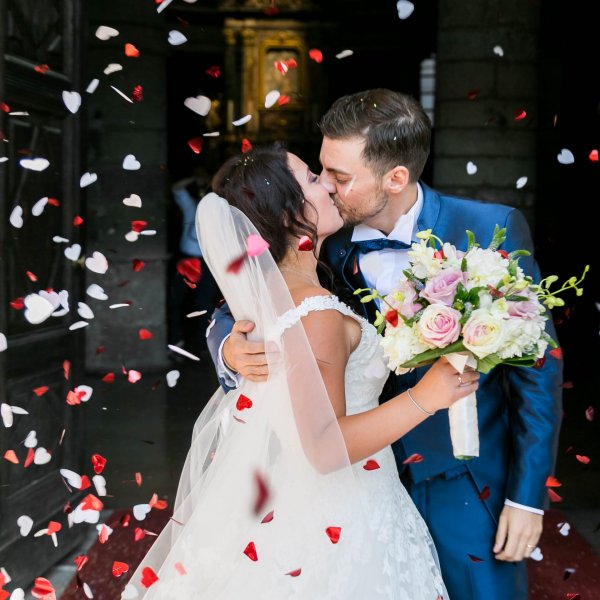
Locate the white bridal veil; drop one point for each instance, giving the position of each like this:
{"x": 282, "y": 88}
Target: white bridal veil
{"x": 267, "y": 506}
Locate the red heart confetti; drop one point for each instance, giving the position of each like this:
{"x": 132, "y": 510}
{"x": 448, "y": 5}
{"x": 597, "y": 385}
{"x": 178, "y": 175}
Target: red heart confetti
{"x": 268, "y": 517}
{"x": 29, "y": 458}
{"x": 98, "y": 462}
{"x": 118, "y": 568}
{"x": 291, "y": 63}
{"x": 554, "y": 497}
{"x": 53, "y": 202}
{"x": 137, "y": 264}
{"x": 53, "y": 527}
{"x": 485, "y": 493}
{"x": 10, "y": 456}
{"x": 246, "y": 145}
{"x": 283, "y": 100}
{"x": 138, "y": 93}
{"x": 556, "y": 353}
{"x": 4, "y": 107}
{"x": 32, "y": 276}
{"x": 74, "y": 398}
{"x": 281, "y": 66}
{"x": 42, "y": 69}
{"x": 66, "y": 368}
{"x": 196, "y": 144}
{"x": 138, "y": 226}
{"x": 243, "y": 402}
{"x": 472, "y": 94}
{"x": 294, "y": 573}
{"x": 582, "y": 459}
{"x": 103, "y": 534}
{"x": 43, "y": 589}
{"x": 475, "y": 559}
{"x": 262, "y": 492}
{"x": 305, "y": 244}
{"x": 80, "y": 561}
{"x": 568, "y": 385}
{"x": 109, "y": 378}
{"x": 139, "y": 534}
{"x": 271, "y": 11}
{"x": 371, "y": 465}
{"x": 77, "y": 221}
{"x": 593, "y": 156}
{"x": 144, "y": 334}
{"x": 334, "y": 534}
{"x": 539, "y": 363}
{"x": 131, "y": 51}
{"x": 125, "y": 519}
{"x": 520, "y": 114}
{"x": 100, "y": 349}
{"x": 40, "y": 391}
{"x": 90, "y": 502}
{"x": 17, "y": 303}
{"x": 149, "y": 577}
{"x": 413, "y": 458}
{"x": 138, "y": 478}
{"x": 214, "y": 71}
{"x": 589, "y": 413}
{"x": 391, "y": 316}
{"x": 190, "y": 268}
{"x": 250, "y": 552}
{"x": 235, "y": 265}
{"x": 573, "y": 596}
{"x": 315, "y": 55}
{"x": 552, "y": 482}
{"x": 85, "y": 482}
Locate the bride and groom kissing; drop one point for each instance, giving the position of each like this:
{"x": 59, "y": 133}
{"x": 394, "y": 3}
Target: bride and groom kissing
{"x": 333, "y": 435}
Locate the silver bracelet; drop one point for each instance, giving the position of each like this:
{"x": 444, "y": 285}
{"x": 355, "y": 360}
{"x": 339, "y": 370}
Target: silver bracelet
{"x": 418, "y": 405}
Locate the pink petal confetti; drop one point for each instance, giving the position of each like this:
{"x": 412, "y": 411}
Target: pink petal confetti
{"x": 104, "y": 533}
{"x": 42, "y": 69}
{"x": 593, "y": 155}
{"x": 80, "y": 561}
{"x": 552, "y": 482}
{"x": 294, "y": 573}
{"x": 250, "y": 552}
{"x": 196, "y": 144}
{"x": 235, "y": 265}
{"x": 262, "y": 493}
{"x": 583, "y": 459}
{"x": 255, "y": 245}
{"x": 43, "y": 589}
{"x": 413, "y": 458}
{"x": 10, "y": 456}
{"x": 554, "y": 497}
{"x": 315, "y": 55}
{"x": 137, "y": 95}
{"x": 589, "y": 413}
{"x": 268, "y": 517}
{"x": 133, "y": 376}
{"x": 40, "y": 391}
{"x": 520, "y": 114}
{"x": 180, "y": 568}
{"x": 138, "y": 478}
{"x": 137, "y": 265}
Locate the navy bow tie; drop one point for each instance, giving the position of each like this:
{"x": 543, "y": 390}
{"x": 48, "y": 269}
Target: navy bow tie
{"x": 365, "y": 246}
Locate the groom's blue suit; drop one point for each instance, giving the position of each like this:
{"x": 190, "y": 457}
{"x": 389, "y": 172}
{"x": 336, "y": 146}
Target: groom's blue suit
{"x": 519, "y": 418}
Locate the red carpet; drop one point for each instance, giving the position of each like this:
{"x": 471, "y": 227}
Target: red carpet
{"x": 549, "y": 579}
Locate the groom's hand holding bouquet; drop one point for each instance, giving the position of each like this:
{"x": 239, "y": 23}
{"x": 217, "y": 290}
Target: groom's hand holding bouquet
{"x": 477, "y": 308}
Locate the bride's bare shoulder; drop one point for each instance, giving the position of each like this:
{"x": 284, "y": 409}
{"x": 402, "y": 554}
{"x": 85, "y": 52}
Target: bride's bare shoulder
{"x": 299, "y": 294}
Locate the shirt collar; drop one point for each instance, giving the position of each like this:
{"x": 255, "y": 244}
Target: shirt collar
{"x": 404, "y": 230}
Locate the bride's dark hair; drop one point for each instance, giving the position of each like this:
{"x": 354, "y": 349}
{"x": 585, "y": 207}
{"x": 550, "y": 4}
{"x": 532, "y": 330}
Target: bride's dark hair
{"x": 261, "y": 185}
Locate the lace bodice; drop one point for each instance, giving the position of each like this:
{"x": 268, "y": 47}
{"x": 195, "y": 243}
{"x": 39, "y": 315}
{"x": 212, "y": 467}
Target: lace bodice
{"x": 366, "y": 371}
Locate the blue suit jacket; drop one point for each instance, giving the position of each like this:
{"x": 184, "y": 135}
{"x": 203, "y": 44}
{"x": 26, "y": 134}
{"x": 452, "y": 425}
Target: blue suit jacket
{"x": 519, "y": 408}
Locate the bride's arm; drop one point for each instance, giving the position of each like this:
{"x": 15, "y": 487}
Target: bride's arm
{"x": 368, "y": 432}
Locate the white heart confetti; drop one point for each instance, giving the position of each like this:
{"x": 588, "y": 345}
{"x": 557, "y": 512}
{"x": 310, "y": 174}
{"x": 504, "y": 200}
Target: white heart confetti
{"x": 130, "y": 163}
{"x": 72, "y": 478}
{"x": 37, "y": 309}
{"x": 78, "y": 325}
{"x": 84, "y": 311}
{"x": 405, "y": 8}
{"x": 59, "y": 239}
{"x": 87, "y": 590}
{"x": 140, "y": 511}
{"x": 537, "y": 554}
{"x": 196, "y": 313}
{"x": 129, "y": 593}
{"x": 498, "y": 51}
{"x": 3, "y": 342}
{"x": 92, "y": 85}
{"x": 344, "y": 53}
{"x": 31, "y": 440}
{"x": 34, "y": 164}
{"x": 72, "y": 101}
{"x": 25, "y": 523}
{"x": 565, "y": 157}
{"x": 3, "y": 159}
{"x": 176, "y": 38}
{"x": 113, "y": 68}
{"x": 242, "y": 121}
{"x": 148, "y": 232}
{"x": 134, "y": 200}
{"x": 212, "y": 134}
{"x": 521, "y": 182}
{"x": 96, "y": 292}
{"x": 73, "y": 252}
{"x": 16, "y": 217}
{"x": 97, "y": 263}
{"x": 172, "y": 377}
{"x": 132, "y": 236}
{"x": 87, "y": 392}
{"x": 52, "y": 297}
{"x": 199, "y": 104}
{"x": 105, "y": 33}
{"x": 99, "y": 484}
{"x": 471, "y": 168}
{"x": 41, "y": 456}
{"x": 7, "y": 415}
{"x": 271, "y": 98}
{"x": 87, "y": 179}
{"x": 564, "y": 529}
{"x": 18, "y": 594}
{"x": 122, "y": 305}
{"x": 182, "y": 352}
{"x": 38, "y": 208}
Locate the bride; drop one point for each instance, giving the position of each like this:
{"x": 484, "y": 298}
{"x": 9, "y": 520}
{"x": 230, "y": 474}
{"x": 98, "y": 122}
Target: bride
{"x": 290, "y": 489}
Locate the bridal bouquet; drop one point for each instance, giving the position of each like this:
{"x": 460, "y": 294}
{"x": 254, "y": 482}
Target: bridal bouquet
{"x": 477, "y": 308}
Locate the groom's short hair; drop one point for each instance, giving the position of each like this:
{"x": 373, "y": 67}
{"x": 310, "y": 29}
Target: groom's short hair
{"x": 396, "y": 129}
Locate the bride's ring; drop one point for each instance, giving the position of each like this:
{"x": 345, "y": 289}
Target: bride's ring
{"x": 530, "y": 546}
{"x": 459, "y": 380}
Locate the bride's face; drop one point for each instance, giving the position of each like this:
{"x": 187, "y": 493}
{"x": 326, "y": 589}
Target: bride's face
{"x": 320, "y": 209}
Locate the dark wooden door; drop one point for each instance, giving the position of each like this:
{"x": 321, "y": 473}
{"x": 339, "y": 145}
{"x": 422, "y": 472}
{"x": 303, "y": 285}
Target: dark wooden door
{"x": 39, "y": 59}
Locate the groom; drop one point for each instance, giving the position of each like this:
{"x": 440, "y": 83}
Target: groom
{"x": 485, "y": 515}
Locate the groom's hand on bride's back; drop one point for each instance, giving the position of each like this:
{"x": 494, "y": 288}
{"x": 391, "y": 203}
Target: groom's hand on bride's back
{"x": 243, "y": 356}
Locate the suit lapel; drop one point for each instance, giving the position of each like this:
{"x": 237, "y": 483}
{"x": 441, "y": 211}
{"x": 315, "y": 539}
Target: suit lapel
{"x": 431, "y": 209}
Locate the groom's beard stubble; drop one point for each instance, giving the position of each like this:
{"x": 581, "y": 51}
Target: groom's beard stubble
{"x": 353, "y": 216}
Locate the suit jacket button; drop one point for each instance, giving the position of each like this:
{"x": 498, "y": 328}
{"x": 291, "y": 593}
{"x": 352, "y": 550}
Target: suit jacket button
{"x": 342, "y": 253}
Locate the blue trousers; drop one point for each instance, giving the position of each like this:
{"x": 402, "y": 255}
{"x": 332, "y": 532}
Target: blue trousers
{"x": 461, "y": 525}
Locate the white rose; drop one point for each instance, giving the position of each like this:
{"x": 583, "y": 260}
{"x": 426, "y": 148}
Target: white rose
{"x": 483, "y": 333}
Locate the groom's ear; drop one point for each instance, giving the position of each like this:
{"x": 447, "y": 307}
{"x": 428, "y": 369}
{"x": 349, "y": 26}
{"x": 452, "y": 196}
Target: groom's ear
{"x": 396, "y": 179}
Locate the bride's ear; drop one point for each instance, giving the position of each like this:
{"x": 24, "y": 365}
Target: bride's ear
{"x": 396, "y": 179}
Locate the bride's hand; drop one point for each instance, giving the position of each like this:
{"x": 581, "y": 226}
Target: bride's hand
{"x": 442, "y": 385}
{"x": 243, "y": 356}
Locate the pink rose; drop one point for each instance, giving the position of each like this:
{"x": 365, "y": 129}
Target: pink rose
{"x": 409, "y": 307}
{"x": 441, "y": 288}
{"x": 524, "y": 309}
{"x": 439, "y": 325}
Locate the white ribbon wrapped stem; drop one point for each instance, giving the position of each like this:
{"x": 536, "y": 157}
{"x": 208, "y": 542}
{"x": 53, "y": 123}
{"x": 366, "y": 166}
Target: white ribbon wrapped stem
{"x": 464, "y": 431}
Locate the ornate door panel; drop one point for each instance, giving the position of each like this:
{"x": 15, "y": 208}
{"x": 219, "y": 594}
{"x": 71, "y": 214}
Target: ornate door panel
{"x": 39, "y": 58}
